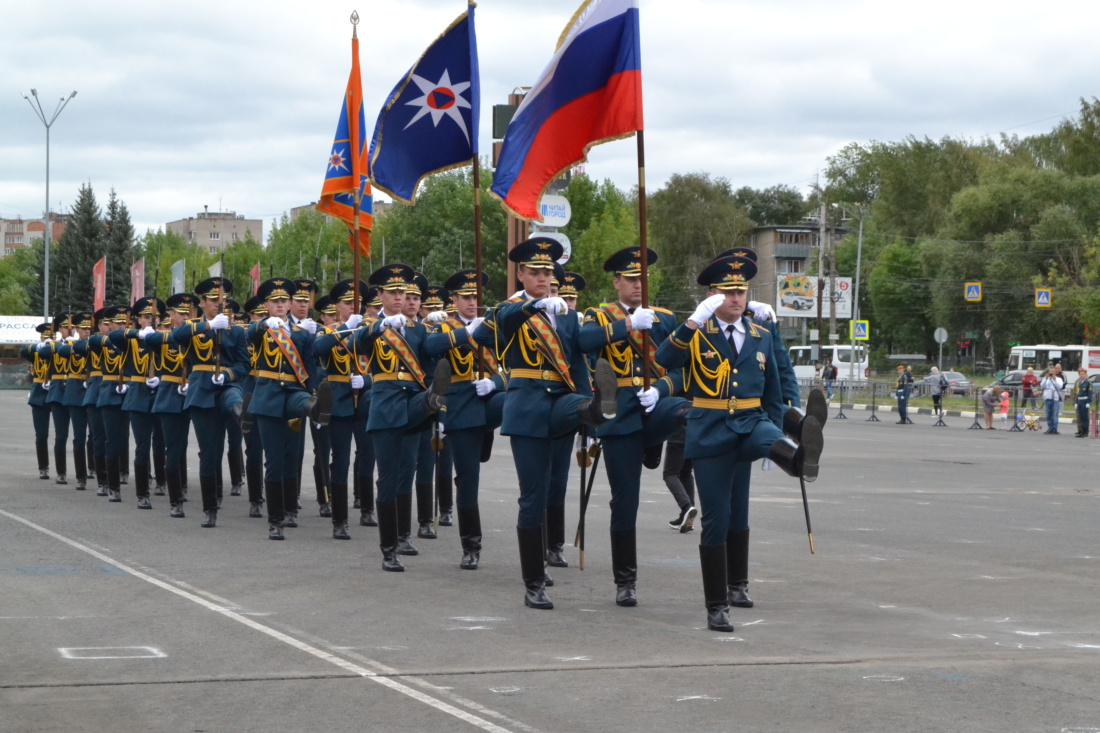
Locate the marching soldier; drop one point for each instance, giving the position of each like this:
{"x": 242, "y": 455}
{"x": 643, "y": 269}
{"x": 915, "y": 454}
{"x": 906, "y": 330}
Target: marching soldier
{"x": 737, "y": 406}
{"x": 138, "y": 397}
{"x": 91, "y": 399}
{"x": 363, "y": 463}
{"x": 218, "y": 361}
{"x": 475, "y": 404}
{"x": 425, "y": 455}
{"x": 234, "y": 453}
{"x": 111, "y": 394}
{"x": 169, "y": 385}
{"x": 39, "y": 356}
{"x": 645, "y": 417}
{"x": 344, "y": 374}
{"x": 548, "y": 395}
{"x": 572, "y": 285}
{"x": 282, "y": 399}
{"x": 256, "y": 309}
{"x": 301, "y": 304}
{"x": 55, "y": 396}
{"x": 75, "y": 351}
{"x": 401, "y": 406}
{"x": 434, "y": 301}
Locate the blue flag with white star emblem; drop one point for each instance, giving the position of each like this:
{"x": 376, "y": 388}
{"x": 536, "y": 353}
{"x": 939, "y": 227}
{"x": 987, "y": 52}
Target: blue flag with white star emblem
{"x": 429, "y": 122}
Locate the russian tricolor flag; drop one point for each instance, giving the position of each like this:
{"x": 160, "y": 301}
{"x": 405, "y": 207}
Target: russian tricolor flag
{"x": 589, "y": 93}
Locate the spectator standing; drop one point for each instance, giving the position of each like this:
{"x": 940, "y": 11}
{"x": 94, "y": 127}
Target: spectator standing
{"x": 938, "y": 385}
{"x": 828, "y": 375}
{"x": 1029, "y": 386}
{"x": 1053, "y": 386}
{"x": 990, "y": 402}
{"x": 904, "y": 385}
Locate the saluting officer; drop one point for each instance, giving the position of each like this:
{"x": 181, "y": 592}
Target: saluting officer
{"x": 548, "y": 396}
{"x": 737, "y": 407}
{"x": 169, "y": 383}
{"x": 401, "y": 406}
{"x": 40, "y": 412}
{"x": 475, "y": 404}
{"x": 75, "y": 351}
{"x": 218, "y": 362}
{"x": 283, "y": 397}
{"x": 645, "y": 416}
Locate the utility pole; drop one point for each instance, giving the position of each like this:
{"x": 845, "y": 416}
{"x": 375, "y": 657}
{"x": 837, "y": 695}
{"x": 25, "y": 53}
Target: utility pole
{"x": 36, "y": 105}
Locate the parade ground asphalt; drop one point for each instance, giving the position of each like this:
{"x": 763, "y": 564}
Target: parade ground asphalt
{"x": 955, "y": 587}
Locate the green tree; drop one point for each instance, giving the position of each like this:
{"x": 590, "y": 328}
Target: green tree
{"x": 120, "y": 250}
{"x": 774, "y": 205}
{"x": 82, "y": 244}
{"x": 17, "y": 277}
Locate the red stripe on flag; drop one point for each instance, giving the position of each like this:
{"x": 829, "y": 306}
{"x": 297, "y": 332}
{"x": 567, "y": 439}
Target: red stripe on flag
{"x": 610, "y": 112}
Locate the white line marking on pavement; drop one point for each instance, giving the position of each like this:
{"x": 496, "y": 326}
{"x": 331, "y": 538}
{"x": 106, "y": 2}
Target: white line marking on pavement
{"x": 273, "y": 633}
{"x": 121, "y": 652}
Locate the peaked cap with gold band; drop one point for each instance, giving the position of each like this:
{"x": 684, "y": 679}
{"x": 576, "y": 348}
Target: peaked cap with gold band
{"x": 737, "y": 252}
{"x": 418, "y": 285}
{"x": 277, "y": 288}
{"x": 372, "y": 298}
{"x": 558, "y": 276}
{"x": 83, "y": 320}
{"x": 62, "y": 320}
{"x": 115, "y": 313}
{"x": 304, "y": 289}
{"x": 392, "y": 277}
{"x": 256, "y": 305}
{"x": 149, "y": 306}
{"x": 232, "y": 307}
{"x": 211, "y": 285}
{"x": 345, "y": 291}
{"x": 537, "y": 252}
{"x": 435, "y": 296}
{"x": 46, "y": 328}
{"x": 627, "y": 262}
{"x": 572, "y": 283}
{"x": 464, "y": 282}
{"x": 183, "y": 303}
{"x": 326, "y": 305}
{"x": 728, "y": 273}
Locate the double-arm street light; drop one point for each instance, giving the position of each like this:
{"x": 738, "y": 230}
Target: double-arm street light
{"x": 36, "y": 105}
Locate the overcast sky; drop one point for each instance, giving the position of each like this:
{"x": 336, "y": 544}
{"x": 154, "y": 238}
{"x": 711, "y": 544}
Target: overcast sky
{"x": 234, "y": 104}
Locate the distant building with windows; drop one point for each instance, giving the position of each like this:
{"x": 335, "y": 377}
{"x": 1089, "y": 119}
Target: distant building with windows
{"x": 216, "y": 230}
{"x": 786, "y": 250}
{"x": 21, "y": 232}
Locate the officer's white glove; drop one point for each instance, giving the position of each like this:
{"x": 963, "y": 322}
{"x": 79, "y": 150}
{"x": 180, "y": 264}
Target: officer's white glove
{"x": 58, "y": 337}
{"x": 761, "y": 312}
{"x": 84, "y": 384}
{"x": 706, "y": 309}
{"x": 122, "y": 388}
{"x": 397, "y": 321}
{"x": 354, "y": 321}
{"x": 766, "y": 464}
{"x": 152, "y": 382}
{"x": 218, "y": 322}
{"x": 71, "y": 339}
{"x": 357, "y": 381}
{"x": 182, "y": 388}
{"x": 308, "y": 324}
{"x": 275, "y": 322}
{"x": 435, "y": 317}
{"x": 46, "y": 386}
{"x": 484, "y": 386}
{"x": 648, "y": 398}
{"x": 474, "y": 325}
{"x": 218, "y": 379}
{"x": 145, "y": 332}
{"x": 43, "y": 346}
{"x": 553, "y": 306}
{"x": 642, "y": 319}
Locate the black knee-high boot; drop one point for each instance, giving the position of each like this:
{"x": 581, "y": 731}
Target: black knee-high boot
{"x": 737, "y": 568}
{"x": 469, "y": 533}
{"x": 43, "y": 451}
{"x": 59, "y": 459}
{"x": 236, "y": 471}
{"x": 531, "y": 559}
{"x": 81, "y": 469}
{"x": 387, "y": 536}
{"x": 101, "y": 474}
{"x": 624, "y": 566}
{"x": 160, "y": 476}
{"x": 712, "y": 558}
{"x": 113, "y": 480}
{"x": 424, "y": 512}
{"x": 555, "y": 536}
{"x": 404, "y": 525}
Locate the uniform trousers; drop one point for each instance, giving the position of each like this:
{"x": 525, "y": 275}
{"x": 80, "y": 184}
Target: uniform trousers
{"x": 99, "y": 433}
{"x": 722, "y": 482}
{"x": 339, "y": 434}
{"x": 322, "y": 453}
{"x": 78, "y": 416}
{"x": 175, "y": 427}
{"x": 254, "y": 463}
{"x": 60, "y": 415}
{"x": 115, "y": 434}
{"x": 141, "y": 425}
{"x": 279, "y": 465}
{"x": 395, "y": 453}
{"x": 40, "y": 416}
{"x": 465, "y": 449}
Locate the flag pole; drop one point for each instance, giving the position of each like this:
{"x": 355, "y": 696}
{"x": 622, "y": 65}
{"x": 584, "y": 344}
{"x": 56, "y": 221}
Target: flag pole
{"x": 643, "y": 253}
{"x": 353, "y": 128}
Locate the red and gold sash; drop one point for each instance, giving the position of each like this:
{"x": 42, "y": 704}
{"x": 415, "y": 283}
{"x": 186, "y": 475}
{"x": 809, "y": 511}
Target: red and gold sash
{"x": 549, "y": 345}
{"x": 615, "y": 312}
{"x": 290, "y": 353}
{"x": 400, "y": 346}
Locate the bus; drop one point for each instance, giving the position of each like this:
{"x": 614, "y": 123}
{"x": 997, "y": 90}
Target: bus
{"x": 840, "y": 356}
{"x": 1071, "y": 358}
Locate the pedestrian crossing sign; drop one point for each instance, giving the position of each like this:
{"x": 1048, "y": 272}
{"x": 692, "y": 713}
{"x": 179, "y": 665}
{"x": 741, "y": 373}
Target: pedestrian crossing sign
{"x": 1042, "y": 297}
{"x": 859, "y": 330}
{"x": 974, "y": 292}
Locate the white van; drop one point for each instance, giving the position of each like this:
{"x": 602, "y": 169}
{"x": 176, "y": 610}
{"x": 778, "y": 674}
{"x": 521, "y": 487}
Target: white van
{"x": 839, "y": 356}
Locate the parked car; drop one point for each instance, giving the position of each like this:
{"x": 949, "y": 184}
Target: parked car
{"x": 1011, "y": 382}
{"x": 959, "y": 382}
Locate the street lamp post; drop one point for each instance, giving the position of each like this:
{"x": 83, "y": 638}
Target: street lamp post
{"x": 36, "y": 105}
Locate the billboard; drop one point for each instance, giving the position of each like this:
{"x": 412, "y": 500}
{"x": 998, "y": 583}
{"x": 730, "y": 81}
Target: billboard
{"x": 796, "y": 297}
{"x": 19, "y": 329}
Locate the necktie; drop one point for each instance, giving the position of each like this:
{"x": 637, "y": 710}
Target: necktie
{"x": 729, "y": 336}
